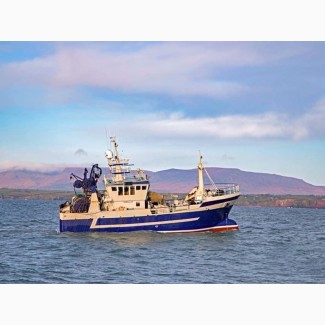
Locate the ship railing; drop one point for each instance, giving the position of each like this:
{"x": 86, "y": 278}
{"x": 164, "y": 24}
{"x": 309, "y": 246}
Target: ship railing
{"x": 110, "y": 179}
{"x": 222, "y": 189}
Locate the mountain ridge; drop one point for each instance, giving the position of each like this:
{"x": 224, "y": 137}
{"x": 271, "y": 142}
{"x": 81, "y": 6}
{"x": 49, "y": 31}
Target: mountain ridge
{"x": 169, "y": 180}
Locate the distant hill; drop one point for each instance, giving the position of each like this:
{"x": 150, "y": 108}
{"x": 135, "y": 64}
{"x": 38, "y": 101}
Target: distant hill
{"x": 177, "y": 180}
{"x": 171, "y": 180}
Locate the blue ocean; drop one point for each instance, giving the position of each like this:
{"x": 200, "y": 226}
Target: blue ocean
{"x": 272, "y": 246}
{"x": 270, "y": 271}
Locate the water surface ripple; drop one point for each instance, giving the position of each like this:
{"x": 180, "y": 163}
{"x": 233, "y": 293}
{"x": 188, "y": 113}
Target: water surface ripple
{"x": 273, "y": 245}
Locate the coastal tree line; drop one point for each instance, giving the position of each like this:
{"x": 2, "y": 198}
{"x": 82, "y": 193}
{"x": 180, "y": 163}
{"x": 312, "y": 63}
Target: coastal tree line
{"x": 294, "y": 201}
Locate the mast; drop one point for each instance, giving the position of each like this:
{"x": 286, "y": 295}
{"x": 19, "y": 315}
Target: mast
{"x": 200, "y": 190}
{"x": 118, "y": 167}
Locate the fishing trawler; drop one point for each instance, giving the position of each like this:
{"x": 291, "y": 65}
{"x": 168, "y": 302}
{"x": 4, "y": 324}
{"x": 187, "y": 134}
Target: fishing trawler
{"x": 127, "y": 204}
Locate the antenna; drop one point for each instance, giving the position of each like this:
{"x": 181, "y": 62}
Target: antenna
{"x": 107, "y": 139}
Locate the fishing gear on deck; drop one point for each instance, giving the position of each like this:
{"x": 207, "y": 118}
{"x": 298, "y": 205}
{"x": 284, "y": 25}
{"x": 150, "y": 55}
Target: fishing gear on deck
{"x": 88, "y": 184}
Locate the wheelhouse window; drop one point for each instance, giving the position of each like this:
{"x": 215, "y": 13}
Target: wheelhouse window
{"x": 114, "y": 189}
{"x": 138, "y": 188}
{"x": 144, "y": 187}
{"x": 132, "y": 190}
{"x": 120, "y": 190}
{"x": 126, "y": 190}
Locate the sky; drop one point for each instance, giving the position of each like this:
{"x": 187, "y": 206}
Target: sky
{"x": 244, "y": 87}
{"x": 254, "y": 105}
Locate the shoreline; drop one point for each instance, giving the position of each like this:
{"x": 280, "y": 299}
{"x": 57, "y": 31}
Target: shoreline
{"x": 262, "y": 200}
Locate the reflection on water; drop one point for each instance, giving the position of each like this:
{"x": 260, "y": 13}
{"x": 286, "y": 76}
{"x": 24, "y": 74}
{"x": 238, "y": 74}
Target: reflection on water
{"x": 134, "y": 239}
{"x": 125, "y": 239}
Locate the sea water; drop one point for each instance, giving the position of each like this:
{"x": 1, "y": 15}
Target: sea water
{"x": 272, "y": 246}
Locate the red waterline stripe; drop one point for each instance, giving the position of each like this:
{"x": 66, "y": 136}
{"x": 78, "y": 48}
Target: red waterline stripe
{"x": 213, "y": 229}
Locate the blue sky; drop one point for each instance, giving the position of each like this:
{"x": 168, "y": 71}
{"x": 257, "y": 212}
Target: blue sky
{"x": 257, "y": 106}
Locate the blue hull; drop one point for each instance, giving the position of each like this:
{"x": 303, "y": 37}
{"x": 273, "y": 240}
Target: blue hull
{"x": 192, "y": 221}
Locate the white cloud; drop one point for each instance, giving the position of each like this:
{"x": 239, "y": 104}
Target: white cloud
{"x": 173, "y": 68}
{"x": 231, "y": 126}
{"x": 226, "y": 157}
{"x": 16, "y": 165}
{"x": 259, "y": 126}
{"x": 313, "y": 121}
